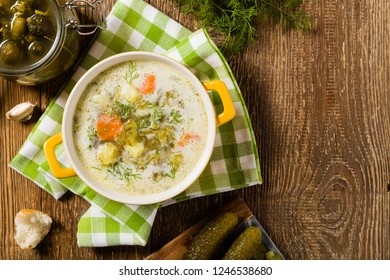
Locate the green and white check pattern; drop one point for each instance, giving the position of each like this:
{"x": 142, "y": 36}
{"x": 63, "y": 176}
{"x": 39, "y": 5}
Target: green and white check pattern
{"x": 134, "y": 25}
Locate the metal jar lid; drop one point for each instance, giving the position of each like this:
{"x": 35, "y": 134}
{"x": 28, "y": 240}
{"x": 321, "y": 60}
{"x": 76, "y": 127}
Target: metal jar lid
{"x": 98, "y": 15}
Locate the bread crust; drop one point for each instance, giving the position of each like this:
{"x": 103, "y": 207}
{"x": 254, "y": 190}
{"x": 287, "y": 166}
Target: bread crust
{"x": 31, "y": 227}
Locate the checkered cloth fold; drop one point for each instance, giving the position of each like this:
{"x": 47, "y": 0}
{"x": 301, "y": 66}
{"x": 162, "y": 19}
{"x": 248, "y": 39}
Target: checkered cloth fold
{"x": 135, "y": 25}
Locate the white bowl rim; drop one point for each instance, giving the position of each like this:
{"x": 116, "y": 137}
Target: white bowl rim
{"x": 67, "y": 134}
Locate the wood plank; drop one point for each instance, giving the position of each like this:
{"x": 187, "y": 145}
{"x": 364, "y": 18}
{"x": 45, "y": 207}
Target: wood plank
{"x": 319, "y": 106}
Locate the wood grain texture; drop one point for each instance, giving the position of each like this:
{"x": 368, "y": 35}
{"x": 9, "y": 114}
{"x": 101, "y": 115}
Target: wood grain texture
{"x": 319, "y": 104}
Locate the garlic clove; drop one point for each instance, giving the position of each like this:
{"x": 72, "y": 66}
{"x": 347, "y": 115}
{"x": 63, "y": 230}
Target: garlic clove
{"x": 21, "y": 112}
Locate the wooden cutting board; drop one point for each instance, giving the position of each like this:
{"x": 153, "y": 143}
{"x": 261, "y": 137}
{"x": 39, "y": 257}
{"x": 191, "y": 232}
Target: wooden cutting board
{"x": 176, "y": 248}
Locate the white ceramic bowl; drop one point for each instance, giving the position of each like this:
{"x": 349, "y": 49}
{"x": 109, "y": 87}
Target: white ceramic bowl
{"x": 77, "y": 168}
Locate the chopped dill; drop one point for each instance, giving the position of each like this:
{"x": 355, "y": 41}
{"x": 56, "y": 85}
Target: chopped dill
{"x": 171, "y": 175}
{"x": 143, "y": 122}
{"x": 158, "y": 115}
{"x": 175, "y": 117}
{"x": 96, "y": 168}
{"x": 92, "y": 133}
{"x": 122, "y": 110}
{"x": 151, "y": 158}
{"x": 124, "y": 173}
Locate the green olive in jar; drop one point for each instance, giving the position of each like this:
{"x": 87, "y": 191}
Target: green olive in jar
{"x": 18, "y": 28}
{"x": 10, "y": 52}
{"x": 40, "y": 25}
{"x": 38, "y": 41}
{"x": 36, "y": 48}
{"x": 27, "y": 33}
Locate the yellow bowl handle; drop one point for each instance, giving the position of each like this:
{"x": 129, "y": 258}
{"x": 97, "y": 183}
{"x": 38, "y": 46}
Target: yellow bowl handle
{"x": 55, "y": 167}
{"x": 228, "y": 108}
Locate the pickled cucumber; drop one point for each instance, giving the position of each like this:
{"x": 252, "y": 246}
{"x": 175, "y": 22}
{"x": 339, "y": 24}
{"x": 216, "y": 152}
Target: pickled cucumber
{"x": 269, "y": 254}
{"x": 276, "y": 257}
{"x": 244, "y": 245}
{"x": 260, "y": 251}
{"x": 20, "y": 24}
{"x": 208, "y": 239}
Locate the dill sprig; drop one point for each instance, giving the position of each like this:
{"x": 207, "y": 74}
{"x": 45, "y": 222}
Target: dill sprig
{"x": 132, "y": 74}
{"x": 92, "y": 133}
{"x": 124, "y": 173}
{"x": 235, "y": 20}
{"x": 122, "y": 110}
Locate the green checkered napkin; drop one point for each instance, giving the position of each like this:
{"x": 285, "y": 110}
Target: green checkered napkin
{"x": 134, "y": 25}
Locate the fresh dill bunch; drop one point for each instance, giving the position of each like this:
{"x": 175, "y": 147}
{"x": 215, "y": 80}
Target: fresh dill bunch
{"x": 235, "y": 20}
{"x": 286, "y": 12}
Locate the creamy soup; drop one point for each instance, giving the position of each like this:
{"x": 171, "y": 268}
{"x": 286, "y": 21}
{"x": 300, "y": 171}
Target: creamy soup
{"x": 140, "y": 127}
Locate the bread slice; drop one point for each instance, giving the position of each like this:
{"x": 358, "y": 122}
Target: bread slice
{"x": 31, "y": 227}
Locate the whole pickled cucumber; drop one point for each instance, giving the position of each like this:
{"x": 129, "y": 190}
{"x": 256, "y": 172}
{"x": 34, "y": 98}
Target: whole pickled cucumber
{"x": 243, "y": 246}
{"x": 207, "y": 240}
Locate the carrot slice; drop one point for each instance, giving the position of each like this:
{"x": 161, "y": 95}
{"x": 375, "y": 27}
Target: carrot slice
{"x": 148, "y": 85}
{"x": 108, "y": 127}
{"x": 187, "y": 137}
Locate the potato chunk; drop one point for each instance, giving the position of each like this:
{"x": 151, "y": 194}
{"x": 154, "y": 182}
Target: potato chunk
{"x": 108, "y": 153}
{"x": 129, "y": 93}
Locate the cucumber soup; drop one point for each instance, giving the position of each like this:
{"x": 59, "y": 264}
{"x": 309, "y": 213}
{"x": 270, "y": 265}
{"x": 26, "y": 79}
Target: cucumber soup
{"x": 140, "y": 127}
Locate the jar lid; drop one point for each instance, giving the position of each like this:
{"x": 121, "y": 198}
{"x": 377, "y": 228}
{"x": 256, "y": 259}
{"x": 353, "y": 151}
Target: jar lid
{"x": 96, "y": 10}
{"x": 30, "y": 33}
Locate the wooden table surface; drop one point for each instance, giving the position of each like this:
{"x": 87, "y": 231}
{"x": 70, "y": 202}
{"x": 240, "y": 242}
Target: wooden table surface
{"x": 319, "y": 104}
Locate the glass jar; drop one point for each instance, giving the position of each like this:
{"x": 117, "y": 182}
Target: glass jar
{"x": 46, "y": 50}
